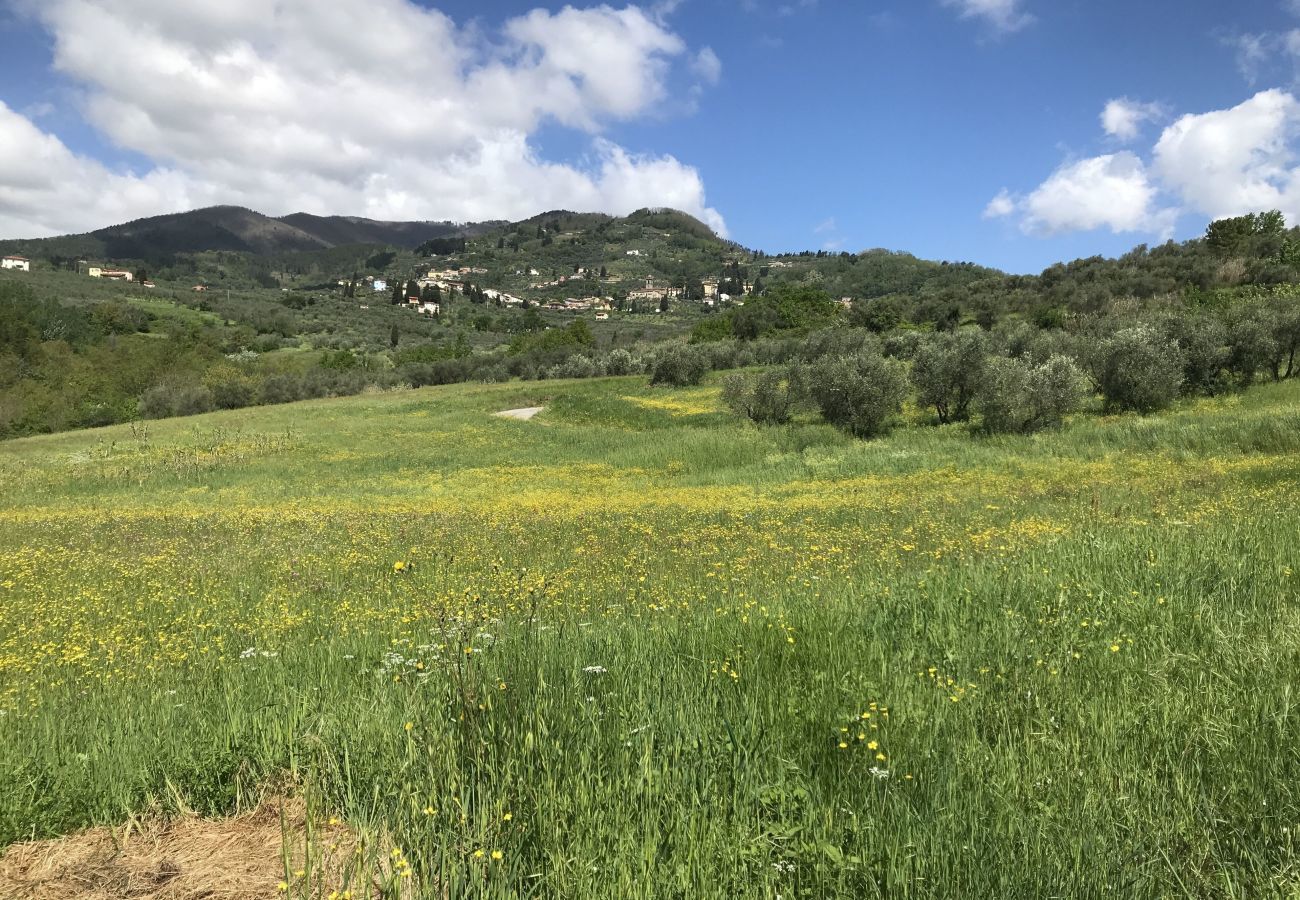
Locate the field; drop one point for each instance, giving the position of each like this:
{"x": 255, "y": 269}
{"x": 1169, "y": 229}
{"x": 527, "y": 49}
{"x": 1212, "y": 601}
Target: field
{"x": 634, "y": 648}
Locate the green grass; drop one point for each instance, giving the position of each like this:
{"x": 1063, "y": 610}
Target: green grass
{"x": 1086, "y": 642}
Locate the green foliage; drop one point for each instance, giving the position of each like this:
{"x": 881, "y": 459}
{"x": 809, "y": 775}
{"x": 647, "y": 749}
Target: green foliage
{"x": 1017, "y": 396}
{"x": 860, "y": 394}
{"x": 713, "y": 328}
{"x": 1140, "y": 370}
{"x": 679, "y": 367}
{"x": 947, "y": 371}
{"x": 784, "y": 308}
{"x": 768, "y": 398}
{"x": 1239, "y": 235}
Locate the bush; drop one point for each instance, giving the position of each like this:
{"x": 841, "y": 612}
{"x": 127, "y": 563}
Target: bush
{"x": 947, "y": 372}
{"x": 679, "y": 367}
{"x": 1139, "y": 370}
{"x": 281, "y": 388}
{"x": 1203, "y": 342}
{"x": 231, "y": 388}
{"x": 620, "y": 362}
{"x": 1252, "y": 348}
{"x": 768, "y": 398}
{"x": 578, "y": 366}
{"x": 859, "y": 394}
{"x": 1018, "y": 397}
{"x": 165, "y": 400}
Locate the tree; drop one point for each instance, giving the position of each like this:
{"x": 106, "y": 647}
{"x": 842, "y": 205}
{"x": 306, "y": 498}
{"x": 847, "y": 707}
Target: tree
{"x": 394, "y": 336}
{"x": 767, "y": 399}
{"x": 679, "y": 367}
{"x": 1139, "y": 370}
{"x": 1017, "y": 396}
{"x": 879, "y": 315}
{"x": 859, "y": 394}
{"x": 947, "y": 372}
{"x": 397, "y": 292}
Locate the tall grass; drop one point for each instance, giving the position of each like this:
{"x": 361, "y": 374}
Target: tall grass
{"x": 639, "y": 650}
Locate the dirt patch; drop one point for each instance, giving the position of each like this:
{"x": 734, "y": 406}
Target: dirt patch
{"x": 240, "y": 858}
{"x": 522, "y": 414}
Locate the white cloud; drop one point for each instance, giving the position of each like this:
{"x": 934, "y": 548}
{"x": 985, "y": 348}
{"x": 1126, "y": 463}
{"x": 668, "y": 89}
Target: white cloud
{"x": 1216, "y": 164}
{"x": 1000, "y": 206}
{"x": 708, "y": 66}
{"x": 369, "y": 107}
{"x": 1254, "y": 52}
{"x": 1111, "y": 191}
{"x": 1003, "y": 15}
{"x": 1234, "y": 161}
{"x": 45, "y": 189}
{"x": 1122, "y": 118}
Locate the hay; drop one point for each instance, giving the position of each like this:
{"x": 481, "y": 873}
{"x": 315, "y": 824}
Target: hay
{"x": 240, "y": 858}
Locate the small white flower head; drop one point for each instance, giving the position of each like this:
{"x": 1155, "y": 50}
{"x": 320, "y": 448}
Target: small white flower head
{"x": 595, "y": 670}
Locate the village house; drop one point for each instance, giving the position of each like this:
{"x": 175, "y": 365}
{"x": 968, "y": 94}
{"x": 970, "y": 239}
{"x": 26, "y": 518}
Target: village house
{"x": 94, "y": 271}
{"x": 149, "y": 284}
{"x": 710, "y": 287}
{"x": 19, "y": 263}
{"x": 117, "y": 275}
{"x": 379, "y": 284}
{"x": 634, "y": 253}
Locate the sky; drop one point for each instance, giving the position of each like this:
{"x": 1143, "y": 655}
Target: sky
{"x": 1013, "y": 133}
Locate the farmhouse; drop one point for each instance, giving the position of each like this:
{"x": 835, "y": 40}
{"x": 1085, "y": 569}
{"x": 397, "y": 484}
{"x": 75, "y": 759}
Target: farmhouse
{"x": 379, "y": 284}
{"x": 116, "y": 275}
{"x": 21, "y": 263}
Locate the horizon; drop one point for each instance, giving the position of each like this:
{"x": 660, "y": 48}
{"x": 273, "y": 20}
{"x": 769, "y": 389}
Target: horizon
{"x": 1000, "y": 132}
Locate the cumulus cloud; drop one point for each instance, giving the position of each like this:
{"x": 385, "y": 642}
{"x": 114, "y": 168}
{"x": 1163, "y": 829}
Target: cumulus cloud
{"x": 371, "y": 107}
{"x": 1001, "y": 206}
{"x": 1238, "y": 160}
{"x": 1111, "y": 191}
{"x": 1003, "y": 15}
{"x": 1216, "y": 164}
{"x": 1122, "y": 118}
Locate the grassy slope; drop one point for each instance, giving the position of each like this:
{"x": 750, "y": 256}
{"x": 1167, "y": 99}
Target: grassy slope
{"x": 1081, "y": 639}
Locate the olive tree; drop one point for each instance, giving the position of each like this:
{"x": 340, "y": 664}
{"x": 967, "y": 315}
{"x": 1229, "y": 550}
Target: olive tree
{"x": 1139, "y": 369}
{"x": 859, "y": 394}
{"x": 947, "y": 372}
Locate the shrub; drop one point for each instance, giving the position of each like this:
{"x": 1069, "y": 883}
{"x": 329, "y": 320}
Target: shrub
{"x": 280, "y": 389}
{"x": 1203, "y": 342}
{"x": 1139, "y": 370}
{"x": 578, "y": 366}
{"x": 1252, "y": 347}
{"x": 859, "y": 394}
{"x": 1018, "y": 397}
{"x": 767, "y": 398}
{"x": 947, "y": 372}
{"x": 165, "y": 400}
{"x": 620, "y": 362}
{"x": 231, "y": 388}
{"x": 679, "y": 367}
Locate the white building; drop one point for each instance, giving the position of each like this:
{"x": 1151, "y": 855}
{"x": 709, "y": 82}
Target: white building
{"x": 380, "y": 285}
{"x": 21, "y": 263}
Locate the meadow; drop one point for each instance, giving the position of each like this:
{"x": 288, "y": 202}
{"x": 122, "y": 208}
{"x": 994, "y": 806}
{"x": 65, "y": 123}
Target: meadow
{"x": 637, "y": 648}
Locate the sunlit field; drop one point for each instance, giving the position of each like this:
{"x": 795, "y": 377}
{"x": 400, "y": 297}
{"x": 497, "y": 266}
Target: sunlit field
{"x": 634, "y": 648}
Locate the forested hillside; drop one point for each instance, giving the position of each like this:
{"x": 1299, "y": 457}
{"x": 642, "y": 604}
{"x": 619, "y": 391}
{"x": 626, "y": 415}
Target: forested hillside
{"x": 269, "y": 311}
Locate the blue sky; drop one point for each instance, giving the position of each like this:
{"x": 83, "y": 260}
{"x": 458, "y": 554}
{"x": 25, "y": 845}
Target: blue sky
{"x": 826, "y": 124}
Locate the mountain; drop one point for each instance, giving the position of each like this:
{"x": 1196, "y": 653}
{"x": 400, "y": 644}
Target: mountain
{"x": 235, "y": 229}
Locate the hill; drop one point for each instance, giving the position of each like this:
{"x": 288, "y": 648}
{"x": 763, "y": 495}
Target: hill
{"x": 159, "y": 239}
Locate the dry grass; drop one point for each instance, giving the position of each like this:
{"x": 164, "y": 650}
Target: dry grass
{"x": 241, "y": 858}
